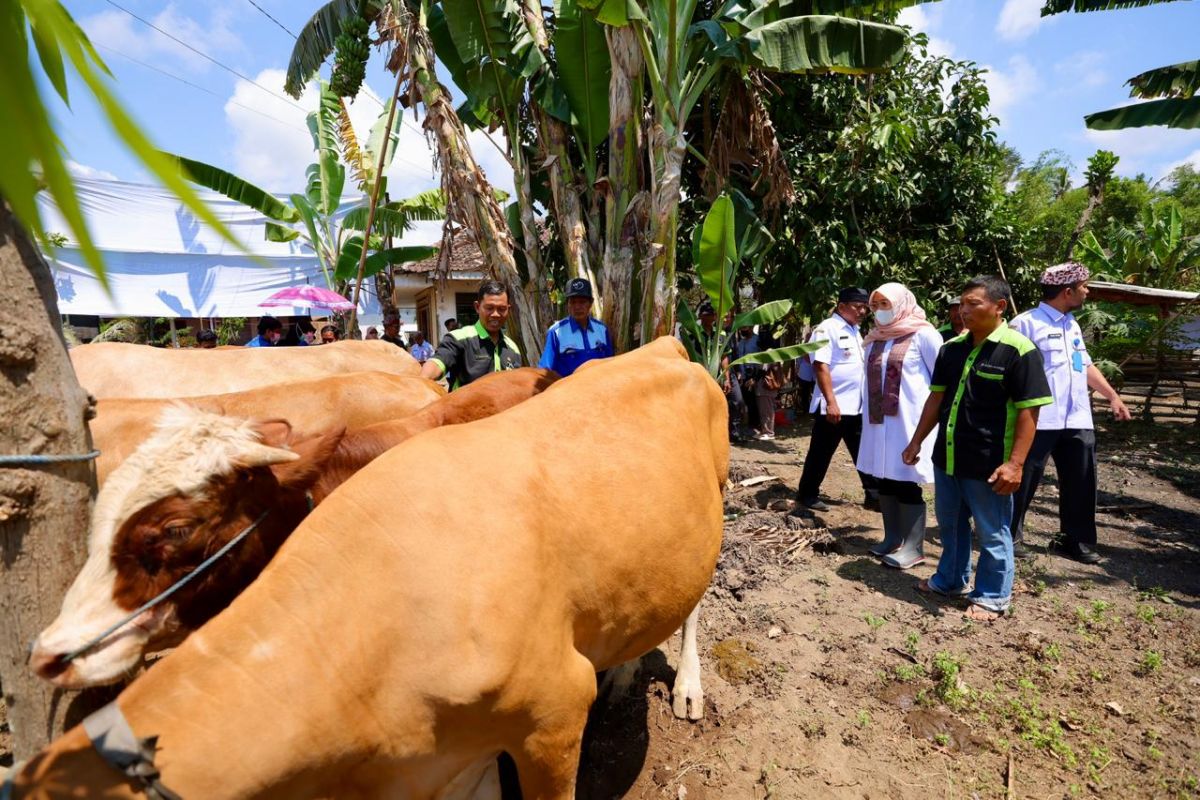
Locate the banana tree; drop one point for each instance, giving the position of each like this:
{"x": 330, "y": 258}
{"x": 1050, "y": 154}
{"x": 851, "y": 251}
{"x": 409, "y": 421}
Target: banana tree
{"x": 539, "y": 75}
{"x": 316, "y": 217}
{"x": 1170, "y": 91}
{"x": 718, "y": 251}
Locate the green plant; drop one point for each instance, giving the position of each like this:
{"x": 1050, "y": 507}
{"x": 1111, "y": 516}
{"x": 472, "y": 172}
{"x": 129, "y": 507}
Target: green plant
{"x": 875, "y": 622}
{"x": 863, "y": 718}
{"x": 951, "y": 689}
{"x": 1051, "y": 652}
{"x": 1151, "y": 663}
{"x": 908, "y": 673}
{"x": 910, "y": 642}
{"x": 229, "y": 330}
{"x": 942, "y": 739}
{"x": 1146, "y": 614}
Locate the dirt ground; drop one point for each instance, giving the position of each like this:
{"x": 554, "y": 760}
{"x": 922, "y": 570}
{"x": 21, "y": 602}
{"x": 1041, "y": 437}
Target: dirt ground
{"x": 827, "y": 675}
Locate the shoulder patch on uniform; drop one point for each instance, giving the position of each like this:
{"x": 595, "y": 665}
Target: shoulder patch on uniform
{"x": 1015, "y": 340}
{"x": 462, "y": 334}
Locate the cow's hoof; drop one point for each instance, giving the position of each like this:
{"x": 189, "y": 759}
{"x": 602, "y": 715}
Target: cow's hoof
{"x": 687, "y": 701}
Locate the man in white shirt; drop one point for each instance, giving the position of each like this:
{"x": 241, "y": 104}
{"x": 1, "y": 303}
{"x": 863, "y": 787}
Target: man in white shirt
{"x": 1064, "y": 429}
{"x": 837, "y": 402}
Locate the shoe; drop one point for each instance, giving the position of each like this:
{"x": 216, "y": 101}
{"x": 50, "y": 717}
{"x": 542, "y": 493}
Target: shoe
{"x": 1021, "y": 550}
{"x": 911, "y": 523}
{"x": 892, "y": 537}
{"x": 765, "y": 437}
{"x": 815, "y": 504}
{"x": 1078, "y": 551}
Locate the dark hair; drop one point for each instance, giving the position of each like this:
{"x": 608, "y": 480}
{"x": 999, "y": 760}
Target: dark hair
{"x": 1051, "y": 291}
{"x": 266, "y": 324}
{"x": 452, "y": 321}
{"x": 491, "y": 287}
{"x": 305, "y": 325}
{"x": 331, "y": 328}
{"x": 206, "y": 336}
{"x": 995, "y": 288}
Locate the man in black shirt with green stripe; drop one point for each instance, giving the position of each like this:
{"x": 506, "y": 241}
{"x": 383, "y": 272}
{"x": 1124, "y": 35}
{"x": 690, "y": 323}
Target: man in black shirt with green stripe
{"x": 467, "y": 354}
{"x": 987, "y": 386}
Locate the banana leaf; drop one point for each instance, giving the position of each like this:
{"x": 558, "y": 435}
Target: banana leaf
{"x": 1059, "y": 6}
{"x": 1177, "y": 80}
{"x": 779, "y": 355}
{"x": 766, "y": 314}
{"x": 1171, "y": 112}
{"x": 584, "y": 69}
{"x": 315, "y": 42}
{"x": 236, "y": 189}
{"x": 718, "y": 254}
{"x": 825, "y": 44}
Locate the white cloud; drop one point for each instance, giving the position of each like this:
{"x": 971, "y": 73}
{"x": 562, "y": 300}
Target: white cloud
{"x": 1009, "y": 87}
{"x": 273, "y": 151}
{"x": 1154, "y": 151}
{"x": 1193, "y": 160}
{"x": 1084, "y": 69}
{"x": 1019, "y": 19}
{"x": 927, "y": 21}
{"x": 215, "y": 36}
{"x": 84, "y": 171}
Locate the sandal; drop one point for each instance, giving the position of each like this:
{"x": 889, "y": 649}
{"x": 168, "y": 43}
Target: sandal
{"x": 925, "y": 587}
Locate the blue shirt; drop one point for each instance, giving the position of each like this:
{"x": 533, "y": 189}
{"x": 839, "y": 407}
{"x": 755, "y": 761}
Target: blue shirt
{"x": 568, "y": 345}
{"x": 259, "y": 341}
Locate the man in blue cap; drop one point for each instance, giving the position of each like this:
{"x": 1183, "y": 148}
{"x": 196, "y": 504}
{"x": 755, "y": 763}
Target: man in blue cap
{"x": 578, "y": 337}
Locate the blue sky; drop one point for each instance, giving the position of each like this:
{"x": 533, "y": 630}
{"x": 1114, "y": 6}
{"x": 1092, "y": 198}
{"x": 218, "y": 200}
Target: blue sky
{"x": 1044, "y": 75}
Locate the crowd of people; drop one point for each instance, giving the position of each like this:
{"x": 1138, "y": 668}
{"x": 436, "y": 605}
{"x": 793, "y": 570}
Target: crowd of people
{"x": 976, "y": 408}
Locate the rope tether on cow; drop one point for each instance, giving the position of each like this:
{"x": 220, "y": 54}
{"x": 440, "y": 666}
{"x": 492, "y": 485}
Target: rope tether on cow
{"x": 50, "y": 458}
{"x": 170, "y": 590}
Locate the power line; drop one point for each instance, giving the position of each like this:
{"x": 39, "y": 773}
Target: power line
{"x": 268, "y": 16}
{"x": 197, "y": 86}
{"x": 204, "y": 55}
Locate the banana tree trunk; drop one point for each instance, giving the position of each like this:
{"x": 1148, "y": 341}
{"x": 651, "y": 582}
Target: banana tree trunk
{"x": 623, "y": 225}
{"x": 534, "y": 310}
{"x": 667, "y": 151}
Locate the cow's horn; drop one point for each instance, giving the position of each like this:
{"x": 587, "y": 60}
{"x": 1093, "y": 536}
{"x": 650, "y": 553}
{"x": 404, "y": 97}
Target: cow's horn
{"x": 260, "y": 455}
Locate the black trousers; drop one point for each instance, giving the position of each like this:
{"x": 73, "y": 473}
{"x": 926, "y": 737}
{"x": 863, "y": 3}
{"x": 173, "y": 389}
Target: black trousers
{"x": 907, "y": 492}
{"x": 824, "y": 442}
{"x": 1074, "y": 454}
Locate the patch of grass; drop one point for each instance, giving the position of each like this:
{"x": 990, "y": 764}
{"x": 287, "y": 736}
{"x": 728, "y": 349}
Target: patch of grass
{"x": 942, "y": 739}
{"x": 908, "y": 673}
{"x": 863, "y": 718}
{"x": 1154, "y": 753}
{"x": 1097, "y": 675}
{"x": 1151, "y": 663}
{"x": 1051, "y": 652}
{"x": 910, "y": 642}
{"x": 875, "y": 622}
{"x": 947, "y": 670}
{"x": 1034, "y": 726}
{"x": 1146, "y": 614}
{"x": 1155, "y": 593}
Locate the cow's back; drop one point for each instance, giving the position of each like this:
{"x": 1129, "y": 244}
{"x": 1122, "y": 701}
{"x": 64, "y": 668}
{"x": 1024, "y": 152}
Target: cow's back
{"x": 111, "y": 369}
{"x": 352, "y": 401}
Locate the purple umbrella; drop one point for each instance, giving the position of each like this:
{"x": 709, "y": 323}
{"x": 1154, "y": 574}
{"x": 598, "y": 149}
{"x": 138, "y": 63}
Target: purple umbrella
{"x": 308, "y": 297}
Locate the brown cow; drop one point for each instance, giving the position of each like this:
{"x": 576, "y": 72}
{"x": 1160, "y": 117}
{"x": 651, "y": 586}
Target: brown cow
{"x": 110, "y": 369}
{"x": 394, "y": 655}
{"x": 153, "y": 502}
{"x": 351, "y": 401}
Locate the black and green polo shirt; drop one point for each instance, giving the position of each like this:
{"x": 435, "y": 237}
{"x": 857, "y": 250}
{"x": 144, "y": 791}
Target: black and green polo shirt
{"x": 467, "y": 354}
{"x": 984, "y": 387}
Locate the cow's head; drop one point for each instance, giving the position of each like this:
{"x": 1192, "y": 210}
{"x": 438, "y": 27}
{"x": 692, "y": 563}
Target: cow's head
{"x": 187, "y": 490}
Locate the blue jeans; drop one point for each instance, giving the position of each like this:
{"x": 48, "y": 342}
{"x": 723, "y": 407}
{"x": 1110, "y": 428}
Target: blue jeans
{"x": 957, "y": 501}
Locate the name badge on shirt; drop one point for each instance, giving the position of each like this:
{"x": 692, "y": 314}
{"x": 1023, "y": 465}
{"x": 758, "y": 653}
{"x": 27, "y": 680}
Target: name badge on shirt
{"x": 1054, "y": 336}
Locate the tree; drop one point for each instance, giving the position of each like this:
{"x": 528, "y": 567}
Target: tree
{"x": 312, "y": 217}
{"x": 894, "y": 180}
{"x": 1099, "y": 173}
{"x": 610, "y": 185}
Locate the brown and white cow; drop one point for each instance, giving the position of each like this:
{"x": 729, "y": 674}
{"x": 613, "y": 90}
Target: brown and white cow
{"x": 200, "y": 466}
{"x": 352, "y": 400}
{"x": 111, "y": 369}
{"x": 394, "y": 655}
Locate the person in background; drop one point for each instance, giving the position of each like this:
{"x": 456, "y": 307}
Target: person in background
{"x": 451, "y": 324}
{"x": 837, "y": 403}
{"x": 270, "y": 331}
{"x": 747, "y": 375}
{"x": 984, "y": 398}
{"x": 391, "y": 331}
{"x": 954, "y": 325}
{"x": 372, "y": 332}
{"x": 206, "y": 340}
{"x": 766, "y": 390}
{"x": 329, "y": 334}
{"x": 295, "y": 335}
{"x": 902, "y": 349}
{"x": 467, "y": 354}
{"x": 421, "y": 350}
{"x": 1065, "y": 431}
{"x": 578, "y": 337}
{"x": 706, "y": 315}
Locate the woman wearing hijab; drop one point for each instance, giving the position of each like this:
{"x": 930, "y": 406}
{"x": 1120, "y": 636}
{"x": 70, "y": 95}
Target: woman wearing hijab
{"x": 901, "y": 350}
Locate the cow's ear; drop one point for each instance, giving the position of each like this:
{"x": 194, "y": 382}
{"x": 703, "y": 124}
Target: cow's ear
{"x": 313, "y": 454}
{"x": 274, "y": 432}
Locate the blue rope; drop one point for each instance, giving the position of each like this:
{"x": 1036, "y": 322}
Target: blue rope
{"x": 16, "y": 461}
{"x": 172, "y": 589}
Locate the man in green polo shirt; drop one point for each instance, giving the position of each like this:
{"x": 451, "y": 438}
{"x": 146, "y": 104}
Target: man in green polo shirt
{"x": 987, "y": 386}
{"x": 467, "y": 354}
